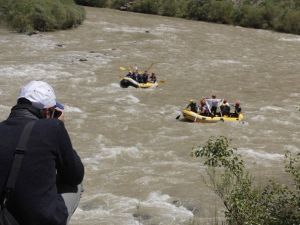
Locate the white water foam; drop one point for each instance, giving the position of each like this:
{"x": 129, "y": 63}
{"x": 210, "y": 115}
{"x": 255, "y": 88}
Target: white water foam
{"x": 131, "y": 111}
{"x": 36, "y": 43}
{"x": 166, "y": 109}
{"x": 103, "y": 152}
{"x": 295, "y": 95}
{"x": 4, "y": 108}
{"x": 112, "y": 208}
{"x": 69, "y": 108}
{"x": 125, "y": 29}
{"x": 224, "y": 61}
{"x": 261, "y": 156}
{"x": 284, "y": 122}
{"x": 161, "y": 205}
{"x": 258, "y": 118}
{"x": 114, "y": 152}
{"x": 129, "y": 99}
{"x": 109, "y": 89}
{"x": 93, "y": 60}
{"x": 295, "y": 39}
{"x": 127, "y": 211}
{"x": 38, "y": 71}
{"x": 162, "y": 28}
{"x": 158, "y": 30}
{"x": 4, "y": 41}
{"x": 272, "y": 108}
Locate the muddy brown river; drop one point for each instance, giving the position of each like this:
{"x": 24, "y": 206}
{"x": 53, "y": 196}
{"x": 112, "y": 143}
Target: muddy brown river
{"x": 136, "y": 154}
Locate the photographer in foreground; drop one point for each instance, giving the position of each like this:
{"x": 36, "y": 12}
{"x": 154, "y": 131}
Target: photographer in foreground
{"x": 48, "y": 185}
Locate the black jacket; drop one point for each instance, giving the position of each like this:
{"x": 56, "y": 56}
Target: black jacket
{"x": 50, "y": 159}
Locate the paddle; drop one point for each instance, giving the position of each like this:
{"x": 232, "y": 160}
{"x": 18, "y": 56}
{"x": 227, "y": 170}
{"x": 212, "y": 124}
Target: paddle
{"x": 149, "y": 67}
{"x": 122, "y": 68}
{"x": 177, "y": 117}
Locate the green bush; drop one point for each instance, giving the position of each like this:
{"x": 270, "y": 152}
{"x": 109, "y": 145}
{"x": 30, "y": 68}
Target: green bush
{"x": 181, "y": 8}
{"x": 245, "y": 204}
{"x": 220, "y": 12}
{"x": 168, "y": 8}
{"x": 252, "y": 17}
{"x": 197, "y": 10}
{"x": 146, "y": 6}
{"x": 291, "y": 22}
{"x": 115, "y": 4}
{"x": 46, "y": 15}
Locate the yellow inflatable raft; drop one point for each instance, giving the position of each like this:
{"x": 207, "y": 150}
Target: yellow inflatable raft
{"x": 127, "y": 81}
{"x": 195, "y": 117}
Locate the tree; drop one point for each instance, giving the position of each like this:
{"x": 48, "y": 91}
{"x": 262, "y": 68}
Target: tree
{"x": 274, "y": 204}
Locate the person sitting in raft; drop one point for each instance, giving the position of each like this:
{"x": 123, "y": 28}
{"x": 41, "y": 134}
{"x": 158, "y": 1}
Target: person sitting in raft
{"x": 214, "y": 106}
{"x": 145, "y": 77}
{"x": 193, "y": 106}
{"x": 129, "y": 74}
{"x": 153, "y": 78}
{"x": 139, "y": 78}
{"x": 225, "y": 108}
{"x": 134, "y": 76}
{"x": 203, "y": 109}
{"x": 237, "y": 109}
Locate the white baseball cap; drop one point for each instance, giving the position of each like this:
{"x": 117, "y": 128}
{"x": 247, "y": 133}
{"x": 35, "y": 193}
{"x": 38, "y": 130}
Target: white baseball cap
{"x": 40, "y": 94}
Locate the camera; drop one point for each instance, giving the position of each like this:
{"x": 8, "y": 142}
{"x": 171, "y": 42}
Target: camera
{"x": 57, "y": 113}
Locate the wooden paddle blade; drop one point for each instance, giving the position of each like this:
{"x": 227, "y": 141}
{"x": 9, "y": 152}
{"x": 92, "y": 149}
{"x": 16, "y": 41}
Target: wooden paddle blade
{"x": 161, "y": 81}
{"x": 177, "y": 117}
{"x": 122, "y": 68}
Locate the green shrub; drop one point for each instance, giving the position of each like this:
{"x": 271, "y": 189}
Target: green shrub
{"x": 290, "y": 22}
{"x": 168, "y": 8}
{"x": 46, "y": 15}
{"x": 220, "y": 11}
{"x": 181, "y": 8}
{"x": 270, "y": 13}
{"x": 245, "y": 204}
{"x": 197, "y": 10}
{"x": 146, "y": 6}
{"x": 252, "y": 17}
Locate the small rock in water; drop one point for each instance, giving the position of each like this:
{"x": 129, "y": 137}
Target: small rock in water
{"x": 176, "y": 203}
{"x": 193, "y": 209}
{"x": 83, "y": 60}
{"x": 32, "y": 32}
{"x": 142, "y": 216}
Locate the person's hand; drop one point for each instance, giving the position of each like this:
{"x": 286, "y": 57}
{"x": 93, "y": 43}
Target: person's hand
{"x": 61, "y": 112}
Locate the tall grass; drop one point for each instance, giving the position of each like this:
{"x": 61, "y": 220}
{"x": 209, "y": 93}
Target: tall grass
{"x": 41, "y": 15}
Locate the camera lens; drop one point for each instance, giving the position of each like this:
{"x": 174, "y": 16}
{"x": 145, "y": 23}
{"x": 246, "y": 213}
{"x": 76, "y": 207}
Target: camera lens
{"x": 57, "y": 113}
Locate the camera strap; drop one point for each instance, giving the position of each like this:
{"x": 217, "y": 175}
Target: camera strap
{"x": 17, "y": 161}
